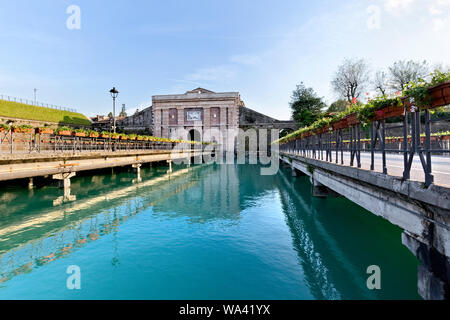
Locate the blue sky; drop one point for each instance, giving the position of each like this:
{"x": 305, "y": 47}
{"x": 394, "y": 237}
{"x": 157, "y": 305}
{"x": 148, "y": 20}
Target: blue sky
{"x": 260, "y": 48}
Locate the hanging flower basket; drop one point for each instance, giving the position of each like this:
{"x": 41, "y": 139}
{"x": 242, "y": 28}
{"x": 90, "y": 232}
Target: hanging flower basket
{"x": 123, "y": 138}
{"x": 79, "y": 134}
{"x": 93, "y": 135}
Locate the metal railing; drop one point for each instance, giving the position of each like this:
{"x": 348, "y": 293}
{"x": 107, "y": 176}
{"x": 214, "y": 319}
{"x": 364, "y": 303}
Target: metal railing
{"x": 28, "y": 143}
{"x": 417, "y": 141}
{"x": 35, "y": 103}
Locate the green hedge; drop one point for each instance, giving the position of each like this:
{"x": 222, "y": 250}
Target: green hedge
{"x": 25, "y": 111}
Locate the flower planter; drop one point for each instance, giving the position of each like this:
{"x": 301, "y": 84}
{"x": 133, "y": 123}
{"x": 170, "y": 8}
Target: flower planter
{"x": 80, "y": 134}
{"x": 93, "y": 135}
{"x": 323, "y": 130}
{"x": 445, "y": 138}
{"x": 44, "y": 131}
{"x": 389, "y": 112}
{"x": 123, "y": 138}
{"x": 2, "y": 129}
{"x": 440, "y": 95}
{"x": 341, "y": 124}
{"x": 104, "y": 136}
{"x": 22, "y": 130}
{"x": 115, "y": 137}
{"x": 352, "y": 119}
{"x": 65, "y": 133}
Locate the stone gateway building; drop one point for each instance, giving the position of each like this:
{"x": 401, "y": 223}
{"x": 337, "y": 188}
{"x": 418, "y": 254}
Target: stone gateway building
{"x": 201, "y": 113}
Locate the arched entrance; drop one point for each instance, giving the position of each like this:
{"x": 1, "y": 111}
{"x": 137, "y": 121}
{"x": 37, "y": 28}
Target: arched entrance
{"x": 194, "y": 135}
{"x": 285, "y": 132}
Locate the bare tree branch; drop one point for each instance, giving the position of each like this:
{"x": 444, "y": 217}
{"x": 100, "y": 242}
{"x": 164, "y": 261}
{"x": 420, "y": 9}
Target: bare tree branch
{"x": 351, "y": 79}
{"x": 403, "y": 72}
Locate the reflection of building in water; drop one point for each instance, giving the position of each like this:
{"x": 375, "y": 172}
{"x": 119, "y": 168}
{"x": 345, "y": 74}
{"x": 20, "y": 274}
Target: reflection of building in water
{"x": 199, "y": 204}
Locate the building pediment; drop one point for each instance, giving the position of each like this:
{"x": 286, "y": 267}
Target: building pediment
{"x": 200, "y": 91}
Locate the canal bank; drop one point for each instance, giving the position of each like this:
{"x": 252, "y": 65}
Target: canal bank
{"x": 207, "y": 232}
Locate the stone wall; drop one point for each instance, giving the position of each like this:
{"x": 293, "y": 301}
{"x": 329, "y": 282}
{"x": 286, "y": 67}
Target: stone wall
{"x": 248, "y": 117}
{"x": 140, "y": 122}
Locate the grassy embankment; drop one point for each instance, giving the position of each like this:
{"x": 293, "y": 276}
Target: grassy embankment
{"x": 28, "y": 112}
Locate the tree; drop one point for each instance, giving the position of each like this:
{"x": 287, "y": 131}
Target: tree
{"x": 403, "y": 72}
{"x": 306, "y": 105}
{"x": 351, "y": 78}
{"x": 381, "y": 82}
{"x": 110, "y": 115}
{"x": 338, "y": 106}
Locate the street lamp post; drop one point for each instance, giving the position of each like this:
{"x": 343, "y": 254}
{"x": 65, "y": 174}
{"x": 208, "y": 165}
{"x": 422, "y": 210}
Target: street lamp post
{"x": 114, "y": 94}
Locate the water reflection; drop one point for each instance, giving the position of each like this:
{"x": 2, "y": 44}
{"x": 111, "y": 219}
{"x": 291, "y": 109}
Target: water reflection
{"x": 337, "y": 240}
{"x": 43, "y": 235}
{"x": 332, "y": 240}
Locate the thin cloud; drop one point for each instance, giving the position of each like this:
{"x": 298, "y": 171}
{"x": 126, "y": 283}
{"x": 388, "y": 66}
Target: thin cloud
{"x": 212, "y": 73}
{"x": 395, "y": 5}
{"x": 246, "y": 59}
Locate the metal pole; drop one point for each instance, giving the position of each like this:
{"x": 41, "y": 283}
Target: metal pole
{"x": 114, "y": 114}
{"x": 428, "y": 172}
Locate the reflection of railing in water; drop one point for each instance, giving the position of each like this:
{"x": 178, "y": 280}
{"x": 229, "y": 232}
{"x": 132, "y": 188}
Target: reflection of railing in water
{"x": 72, "y": 238}
{"x": 309, "y": 257}
{"x": 322, "y": 275}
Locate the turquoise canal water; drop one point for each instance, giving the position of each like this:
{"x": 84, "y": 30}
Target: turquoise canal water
{"x": 208, "y": 232}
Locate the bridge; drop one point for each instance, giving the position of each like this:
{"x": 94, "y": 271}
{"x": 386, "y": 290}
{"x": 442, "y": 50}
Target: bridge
{"x": 408, "y": 186}
{"x": 27, "y": 156}
{"x": 280, "y": 125}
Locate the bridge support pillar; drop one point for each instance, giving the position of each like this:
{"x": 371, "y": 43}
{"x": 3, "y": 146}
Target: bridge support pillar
{"x": 64, "y": 182}
{"x": 170, "y": 166}
{"x": 434, "y": 270}
{"x": 137, "y": 168}
{"x": 30, "y": 184}
{"x": 321, "y": 191}
{"x": 297, "y": 173}
{"x": 64, "y": 179}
